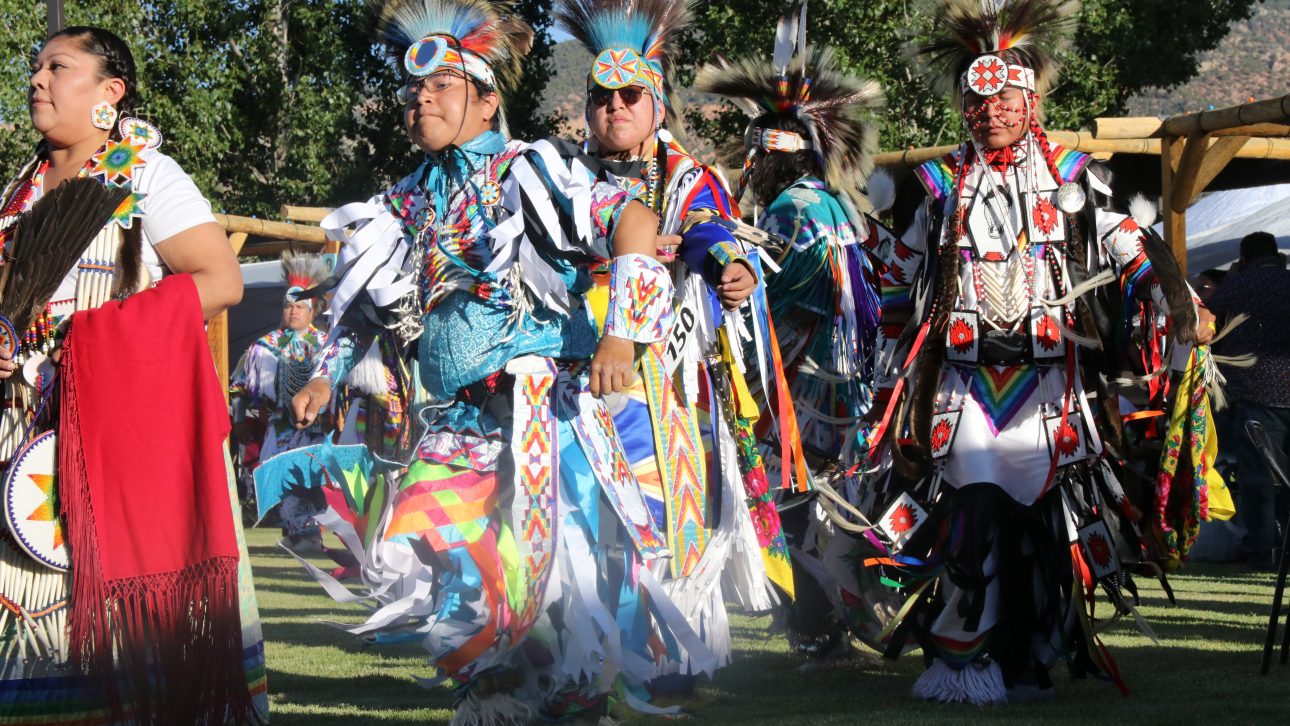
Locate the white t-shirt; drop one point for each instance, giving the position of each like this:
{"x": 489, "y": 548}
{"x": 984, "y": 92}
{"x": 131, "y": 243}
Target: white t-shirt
{"x": 171, "y": 204}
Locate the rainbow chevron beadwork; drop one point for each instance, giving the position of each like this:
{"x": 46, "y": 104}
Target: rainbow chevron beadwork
{"x": 640, "y": 300}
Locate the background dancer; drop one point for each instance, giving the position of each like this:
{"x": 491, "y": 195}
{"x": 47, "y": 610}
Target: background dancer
{"x": 269, "y": 374}
{"x": 807, "y": 146}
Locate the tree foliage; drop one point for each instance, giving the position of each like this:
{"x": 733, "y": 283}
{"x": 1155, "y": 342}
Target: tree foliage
{"x": 1119, "y": 48}
{"x": 267, "y": 102}
{"x": 263, "y": 102}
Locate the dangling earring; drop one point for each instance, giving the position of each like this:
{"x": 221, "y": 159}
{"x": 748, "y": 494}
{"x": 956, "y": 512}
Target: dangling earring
{"x": 102, "y": 115}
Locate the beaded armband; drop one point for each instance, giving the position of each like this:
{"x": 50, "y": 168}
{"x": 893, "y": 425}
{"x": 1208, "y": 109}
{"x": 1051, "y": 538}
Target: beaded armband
{"x": 727, "y": 252}
{"x": 640, "y": 300}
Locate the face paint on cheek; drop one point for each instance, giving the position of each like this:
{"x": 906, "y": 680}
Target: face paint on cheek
{"x": 981, "y": 116}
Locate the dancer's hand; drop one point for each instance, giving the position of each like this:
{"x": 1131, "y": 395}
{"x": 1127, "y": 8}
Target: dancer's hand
{"x": 666, "y": 247}
{"x": 309, "y": 401}
{"x": 1206, "y": 326}
{"x": 613, "y": 366}
{"x": 737, "y": 283}
{"x": 7, "y": 366}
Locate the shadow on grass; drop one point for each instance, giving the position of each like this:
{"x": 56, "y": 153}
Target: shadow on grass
{"x": 354, "y": 700}
{"x": 1205, "y": 670}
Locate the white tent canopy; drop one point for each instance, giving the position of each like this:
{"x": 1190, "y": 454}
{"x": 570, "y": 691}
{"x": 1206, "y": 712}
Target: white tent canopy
{"x": 1216, "y": 223}
{"x": 261, "y": 308}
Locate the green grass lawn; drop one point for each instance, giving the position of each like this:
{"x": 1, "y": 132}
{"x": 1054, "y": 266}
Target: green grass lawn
{"x": 1204, "y": 670}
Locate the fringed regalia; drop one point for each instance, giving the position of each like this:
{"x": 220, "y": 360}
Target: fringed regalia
{"x": 1015, "y": 301}
{"x": 699, "y": 465}
{"x": 808, "y": 143}
{"x": 516, "y": 547}
{"x": 60, "y": 661}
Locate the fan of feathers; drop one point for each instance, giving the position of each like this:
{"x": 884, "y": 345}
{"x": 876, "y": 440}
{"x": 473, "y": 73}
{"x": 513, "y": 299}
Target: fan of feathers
{"x": 47, "y": 241}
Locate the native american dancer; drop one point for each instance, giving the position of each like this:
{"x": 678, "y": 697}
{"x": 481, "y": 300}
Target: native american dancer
{"x": 808, "y": 144}
{"x": 120, "y": 557}
{"x": 694, "y": 451}
{"x": 997, "y": 438}
{"x": 270, "y": 373}
{"x": 515, "y": 546}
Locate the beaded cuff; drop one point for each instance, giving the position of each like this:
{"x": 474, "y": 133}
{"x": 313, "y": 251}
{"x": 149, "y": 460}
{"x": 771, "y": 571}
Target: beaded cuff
{"x": 727, "y": 252}
{"x": 640, "y": 300}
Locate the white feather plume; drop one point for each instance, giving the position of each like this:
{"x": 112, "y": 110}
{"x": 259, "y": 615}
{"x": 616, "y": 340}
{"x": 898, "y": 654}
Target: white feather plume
{"x": 881, "y": 190}
{"x": 1143, "y": 211}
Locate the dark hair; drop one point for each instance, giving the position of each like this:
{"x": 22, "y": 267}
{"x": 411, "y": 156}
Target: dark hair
{"x": 115, "y": 59}
{"x": 774, "y": 171}
{"x": 1258, "y": 244}
{"x": 1214, "y": 274}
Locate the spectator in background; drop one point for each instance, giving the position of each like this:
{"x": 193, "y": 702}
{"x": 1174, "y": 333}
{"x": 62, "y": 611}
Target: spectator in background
{"x": 1207, "y": 282}
{"x": 1258, "y": 286}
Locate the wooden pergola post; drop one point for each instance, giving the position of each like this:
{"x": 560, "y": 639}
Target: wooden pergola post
{"x": 217, "y": 328}
{"x": 1174, "y": 222}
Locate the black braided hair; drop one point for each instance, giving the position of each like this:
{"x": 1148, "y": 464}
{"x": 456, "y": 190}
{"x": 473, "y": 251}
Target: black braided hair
{"x": 775, "y": 171}
{"x": 115, "y": 59}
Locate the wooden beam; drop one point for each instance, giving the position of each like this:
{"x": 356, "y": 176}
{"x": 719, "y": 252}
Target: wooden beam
{"x": 1261, "y": 148}
{"x": 1253, "y": 148}
{"x": 1270, "y": 131}
{"x": 315, "y": 215}
{"x": 271, "y": 247}
{"x": 1174, "y": 222}
{"x": 269, "y": 228}
{"x": 1195, "y": 147}
{"x": 1270, "y": 110}
{"x": 1130, "y": 127}
{"x": 1216, "y": 159}
{"x": 1149, "y": 127}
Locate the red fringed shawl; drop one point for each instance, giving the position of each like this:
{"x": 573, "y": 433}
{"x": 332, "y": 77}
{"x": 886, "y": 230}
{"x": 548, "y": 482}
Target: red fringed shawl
{"x": 143, "y": 490}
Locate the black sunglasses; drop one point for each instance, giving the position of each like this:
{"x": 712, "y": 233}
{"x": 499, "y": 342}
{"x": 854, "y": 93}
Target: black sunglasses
{"x": 600, "y": 96}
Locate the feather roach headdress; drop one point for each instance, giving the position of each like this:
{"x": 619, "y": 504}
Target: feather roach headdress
{"x": 986, "y": 45}
{"x": 483, "y": 38}
{"x": 302, "y": 272}
{"x": 631, "y": 41}
{"x": 834, "y": 108}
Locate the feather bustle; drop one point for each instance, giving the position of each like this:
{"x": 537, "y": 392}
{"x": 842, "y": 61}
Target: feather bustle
{"x": 836, "y": 107}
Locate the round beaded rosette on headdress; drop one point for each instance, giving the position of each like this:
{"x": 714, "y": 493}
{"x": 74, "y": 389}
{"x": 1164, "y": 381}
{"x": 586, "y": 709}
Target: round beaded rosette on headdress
{"x": 630, "y": 41}
{"x": 482, "y": 39}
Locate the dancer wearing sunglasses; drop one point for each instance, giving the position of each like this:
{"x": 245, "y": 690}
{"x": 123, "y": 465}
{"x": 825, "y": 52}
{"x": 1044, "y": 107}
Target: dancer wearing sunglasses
{"x": 695, "y": 452}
